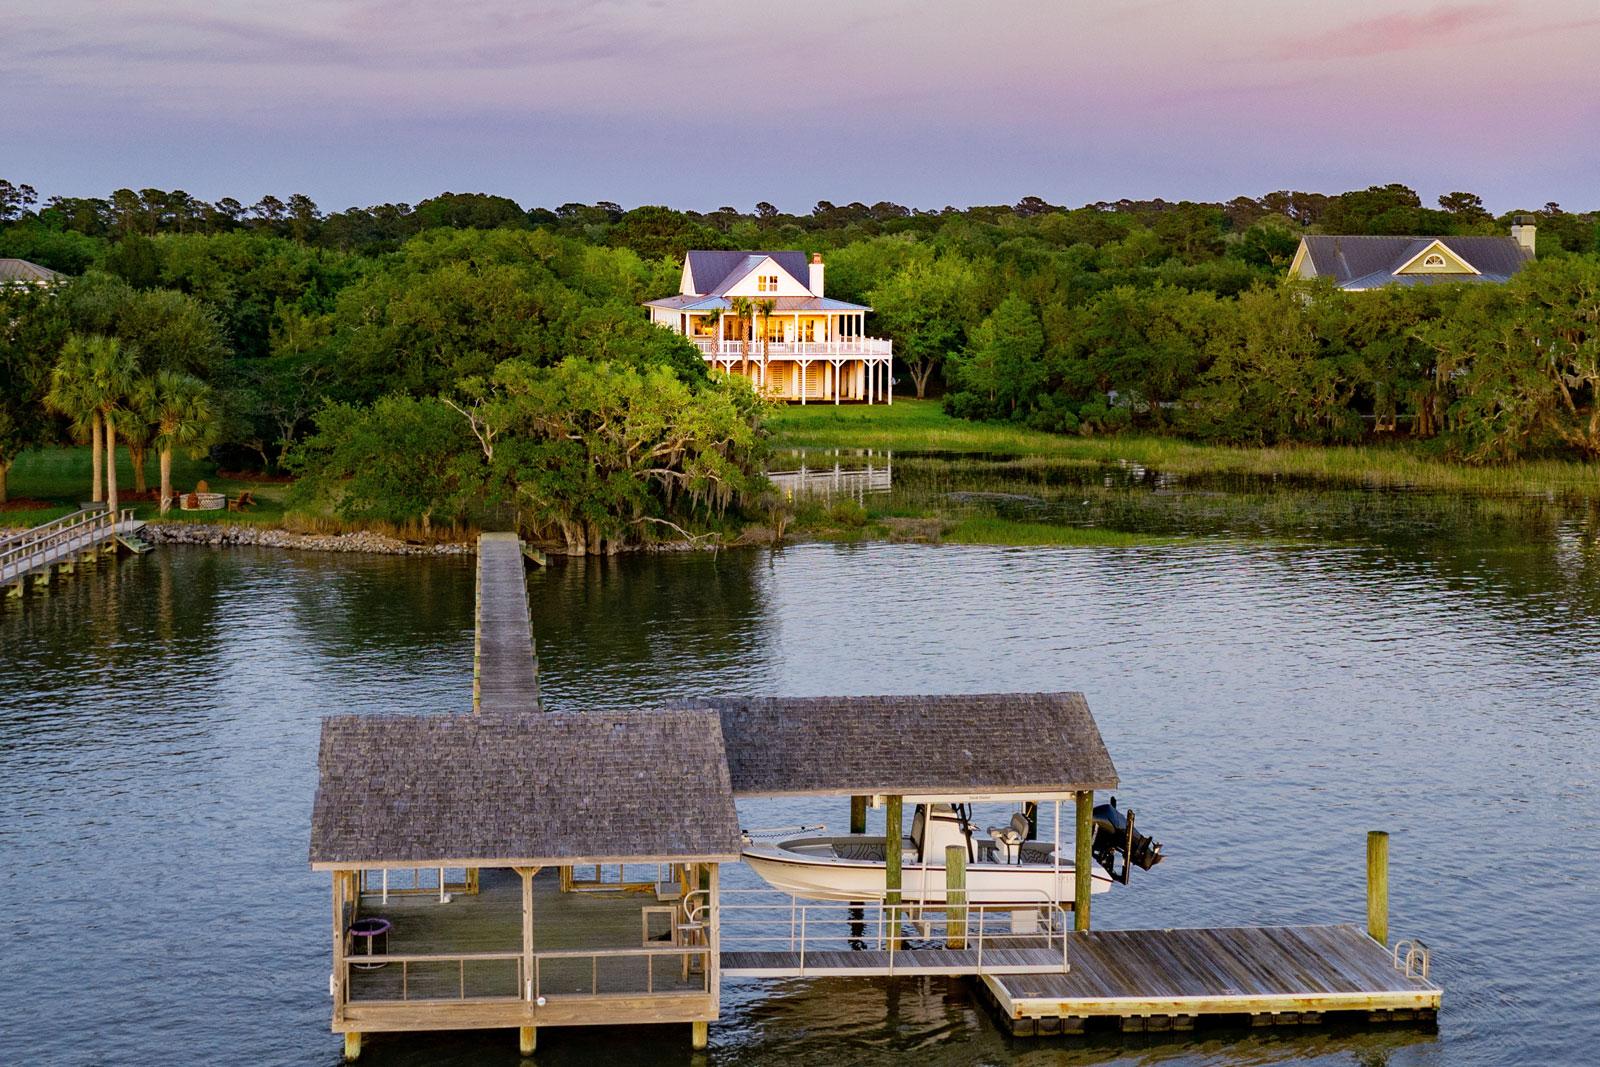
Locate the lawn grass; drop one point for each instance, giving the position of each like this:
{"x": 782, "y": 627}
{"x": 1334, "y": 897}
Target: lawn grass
{"x": 59, "y": 477}
{"x": 922, "y": 426}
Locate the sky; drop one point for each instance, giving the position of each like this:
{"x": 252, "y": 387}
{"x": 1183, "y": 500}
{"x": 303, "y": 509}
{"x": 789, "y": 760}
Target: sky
{"x": 700, "y": 104}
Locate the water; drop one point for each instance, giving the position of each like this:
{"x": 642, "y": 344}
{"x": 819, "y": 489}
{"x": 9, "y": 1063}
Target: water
{"x": 1266, "y": 701}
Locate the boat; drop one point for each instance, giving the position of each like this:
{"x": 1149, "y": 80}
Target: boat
{"x": 1006, "y": 867}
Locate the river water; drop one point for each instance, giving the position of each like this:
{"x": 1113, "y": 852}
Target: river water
{"x": 1267, "y": 700}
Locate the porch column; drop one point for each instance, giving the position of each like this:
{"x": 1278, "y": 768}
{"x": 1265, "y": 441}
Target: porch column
{"x": 838, "y": 369}
{"x": 794, "y": 378}
{"x": 888, "y": 380}
{"x": 805, "y": 368}
{"x": 1082, "y": 859}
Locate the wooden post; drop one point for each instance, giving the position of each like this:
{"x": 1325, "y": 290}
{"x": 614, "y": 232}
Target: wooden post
{"x": 528, "y": 992}
{"x": 893, "y": 816}
{"x": 527, "y": 1039}
{"x": 858, "y": 815}
{"x": 699, "y": 1034}
{"x": 1083, "y": 861}
{"x": 352, "y": 1046}
{"x": 1378, "y": 886}
{"x": 955, "y": 895}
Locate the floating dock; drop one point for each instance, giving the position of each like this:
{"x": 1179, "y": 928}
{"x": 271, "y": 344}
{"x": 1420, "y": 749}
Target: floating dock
{"x": 1168, "y": 979}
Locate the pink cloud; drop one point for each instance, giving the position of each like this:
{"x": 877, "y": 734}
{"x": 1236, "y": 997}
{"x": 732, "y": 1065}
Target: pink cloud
{"x": 1393, "y": 33}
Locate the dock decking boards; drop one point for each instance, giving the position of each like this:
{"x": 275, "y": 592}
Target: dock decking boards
{"x": 1292, "y": 971}
{"x": 506, "y": 668}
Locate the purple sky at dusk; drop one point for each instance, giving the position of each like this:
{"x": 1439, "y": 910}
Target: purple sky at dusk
{"x": 698, "y": 104}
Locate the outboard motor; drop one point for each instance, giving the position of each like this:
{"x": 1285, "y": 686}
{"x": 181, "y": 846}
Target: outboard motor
{"x": 1114, "y": 833}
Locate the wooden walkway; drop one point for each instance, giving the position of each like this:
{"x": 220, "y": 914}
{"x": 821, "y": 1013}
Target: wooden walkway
{"x": 915, "y": 961}
{"x": 1165, "y": 979}
{"x": 35, "y": 553}
{"x": 505, "y": 668}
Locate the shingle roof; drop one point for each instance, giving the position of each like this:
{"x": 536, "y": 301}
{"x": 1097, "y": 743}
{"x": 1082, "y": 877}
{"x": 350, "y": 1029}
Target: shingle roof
{"x": 712, "y": 272}
{"x": 1013, "y": 743}
{"x": 522, "y": 791}
{"x": 1363, "y": 261}
{"x": 20, "y": 270}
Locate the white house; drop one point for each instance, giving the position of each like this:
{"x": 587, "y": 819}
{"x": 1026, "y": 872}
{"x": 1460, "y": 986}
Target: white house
{"x": 21, "y": 272}
{"x": 764, "y": 315}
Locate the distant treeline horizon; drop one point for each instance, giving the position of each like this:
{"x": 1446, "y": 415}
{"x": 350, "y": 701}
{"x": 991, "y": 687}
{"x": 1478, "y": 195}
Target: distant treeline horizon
{"x": 656, "y": 230}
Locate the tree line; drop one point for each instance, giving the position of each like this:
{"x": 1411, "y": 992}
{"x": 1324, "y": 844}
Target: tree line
{"x": 284, "y": 337}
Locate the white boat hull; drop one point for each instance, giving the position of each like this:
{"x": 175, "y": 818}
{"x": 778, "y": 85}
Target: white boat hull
{"x": 822, "y": 877}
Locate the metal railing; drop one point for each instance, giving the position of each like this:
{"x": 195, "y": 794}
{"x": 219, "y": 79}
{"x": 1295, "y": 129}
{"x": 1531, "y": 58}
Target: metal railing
{"x": 49, "y": 542}
{"x": 1412, "y": 956}
{"x": 751, "y": 924}
{"x": 414, "y": 976}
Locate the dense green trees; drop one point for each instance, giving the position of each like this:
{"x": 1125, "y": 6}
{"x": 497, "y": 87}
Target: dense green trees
{"x": 377, "y": 349}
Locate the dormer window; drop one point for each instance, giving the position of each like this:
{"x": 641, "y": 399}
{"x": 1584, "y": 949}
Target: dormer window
{"x": 1434, "y": 259}
{"x": 766, "y": 283}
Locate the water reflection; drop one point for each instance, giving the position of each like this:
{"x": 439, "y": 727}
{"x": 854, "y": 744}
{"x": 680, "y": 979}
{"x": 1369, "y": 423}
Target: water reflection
{"x": 853, "y": 474}
{"x": 1266, "y": 703}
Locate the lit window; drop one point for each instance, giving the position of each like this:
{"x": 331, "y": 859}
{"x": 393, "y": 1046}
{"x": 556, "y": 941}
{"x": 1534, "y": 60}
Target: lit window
{"x": 767, "y": 283}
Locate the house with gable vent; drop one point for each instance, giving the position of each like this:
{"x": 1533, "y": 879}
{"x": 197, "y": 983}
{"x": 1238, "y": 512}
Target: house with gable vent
{"x": 1361, "y": 262}
{"x": 765, "y": 315}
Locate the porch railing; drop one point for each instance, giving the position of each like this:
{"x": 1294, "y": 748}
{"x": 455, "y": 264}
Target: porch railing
{"x": 847, "y": 348}
{"x": 502, "y": 976}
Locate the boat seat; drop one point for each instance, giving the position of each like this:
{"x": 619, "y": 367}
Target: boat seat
{"x": 1009, "y": 839}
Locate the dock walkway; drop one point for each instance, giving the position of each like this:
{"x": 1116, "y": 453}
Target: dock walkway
{"x": 33, "y": 553}
{"x": 1164, "y": 979}
{"x": 505, "y": 667}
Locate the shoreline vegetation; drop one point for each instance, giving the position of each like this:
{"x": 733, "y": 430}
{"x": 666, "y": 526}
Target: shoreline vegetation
{"x": 56, "y": 478}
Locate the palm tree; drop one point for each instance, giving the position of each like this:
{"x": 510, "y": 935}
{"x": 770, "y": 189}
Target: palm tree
{"x": 182, "y": 411}
{"x": 71, "y": 395}
{"x": 744, "y": 309}
{"x": 109, "y": 384}
{"x": 766, "y": 307}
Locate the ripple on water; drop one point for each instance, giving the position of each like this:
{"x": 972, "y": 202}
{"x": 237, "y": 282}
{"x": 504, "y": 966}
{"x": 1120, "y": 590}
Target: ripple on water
{"x": 1266, "y": 705}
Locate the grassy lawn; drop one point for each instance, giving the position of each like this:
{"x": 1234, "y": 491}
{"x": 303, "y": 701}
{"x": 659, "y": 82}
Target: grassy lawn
{"x": 59, "y": 477}
{"x": 921, "y": 426}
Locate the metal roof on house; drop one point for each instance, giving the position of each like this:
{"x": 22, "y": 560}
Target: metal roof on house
{"x": 1363, "y": 262}
{"x": 780, "y": 303}
{"x": 1011, "y": 743}
{"x": 714, "y": 272}
{"x": 20, "y": 270}
{"x": 454, "y": 790}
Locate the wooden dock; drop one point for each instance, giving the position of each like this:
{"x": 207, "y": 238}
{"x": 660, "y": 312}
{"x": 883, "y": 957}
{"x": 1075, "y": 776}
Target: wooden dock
{"x": 1168, "y": 979}
{"x": 874, "y": 962}
{"x": 505, "y": 666}
{"x": 36, "y": 554}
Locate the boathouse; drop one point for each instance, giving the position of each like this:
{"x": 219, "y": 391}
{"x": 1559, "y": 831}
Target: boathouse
{"x": 494, "y": 818}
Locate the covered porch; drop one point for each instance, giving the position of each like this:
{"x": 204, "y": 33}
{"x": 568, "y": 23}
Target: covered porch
{"x": 476, "y": 883}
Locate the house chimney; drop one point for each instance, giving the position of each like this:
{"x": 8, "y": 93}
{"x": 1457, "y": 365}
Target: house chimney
{"x": 1522, "y": 231}
{"x": 816, "y": 274}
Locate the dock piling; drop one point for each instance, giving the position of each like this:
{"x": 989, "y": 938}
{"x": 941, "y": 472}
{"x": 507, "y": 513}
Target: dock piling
{"x": 1082, "y": 860}
{"x": 699, "y": 1034}
{"x": 1378, "y": 886}
{"x": 893, "y": 820}
{"x": 527, "y": 1039}
{"x": 352, "y": 1046}
{"x": 858, "y": 814}
{"x": 955, "y": 895}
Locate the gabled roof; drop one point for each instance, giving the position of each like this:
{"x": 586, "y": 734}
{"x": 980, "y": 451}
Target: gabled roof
{"x": 20, "y": 270}
{"x": 713, "y": 272}
{"x": 1362, "y": 262}
{"x": 998, "y": 743}
{"x": 460, "y": 790}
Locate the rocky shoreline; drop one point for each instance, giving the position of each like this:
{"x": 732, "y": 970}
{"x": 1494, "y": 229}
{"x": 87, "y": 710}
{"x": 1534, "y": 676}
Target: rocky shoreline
{"x": 194, "y": 533}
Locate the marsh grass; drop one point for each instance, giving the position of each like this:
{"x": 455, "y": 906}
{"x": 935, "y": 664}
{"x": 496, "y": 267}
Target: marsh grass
{"x": 921, "y": 426}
